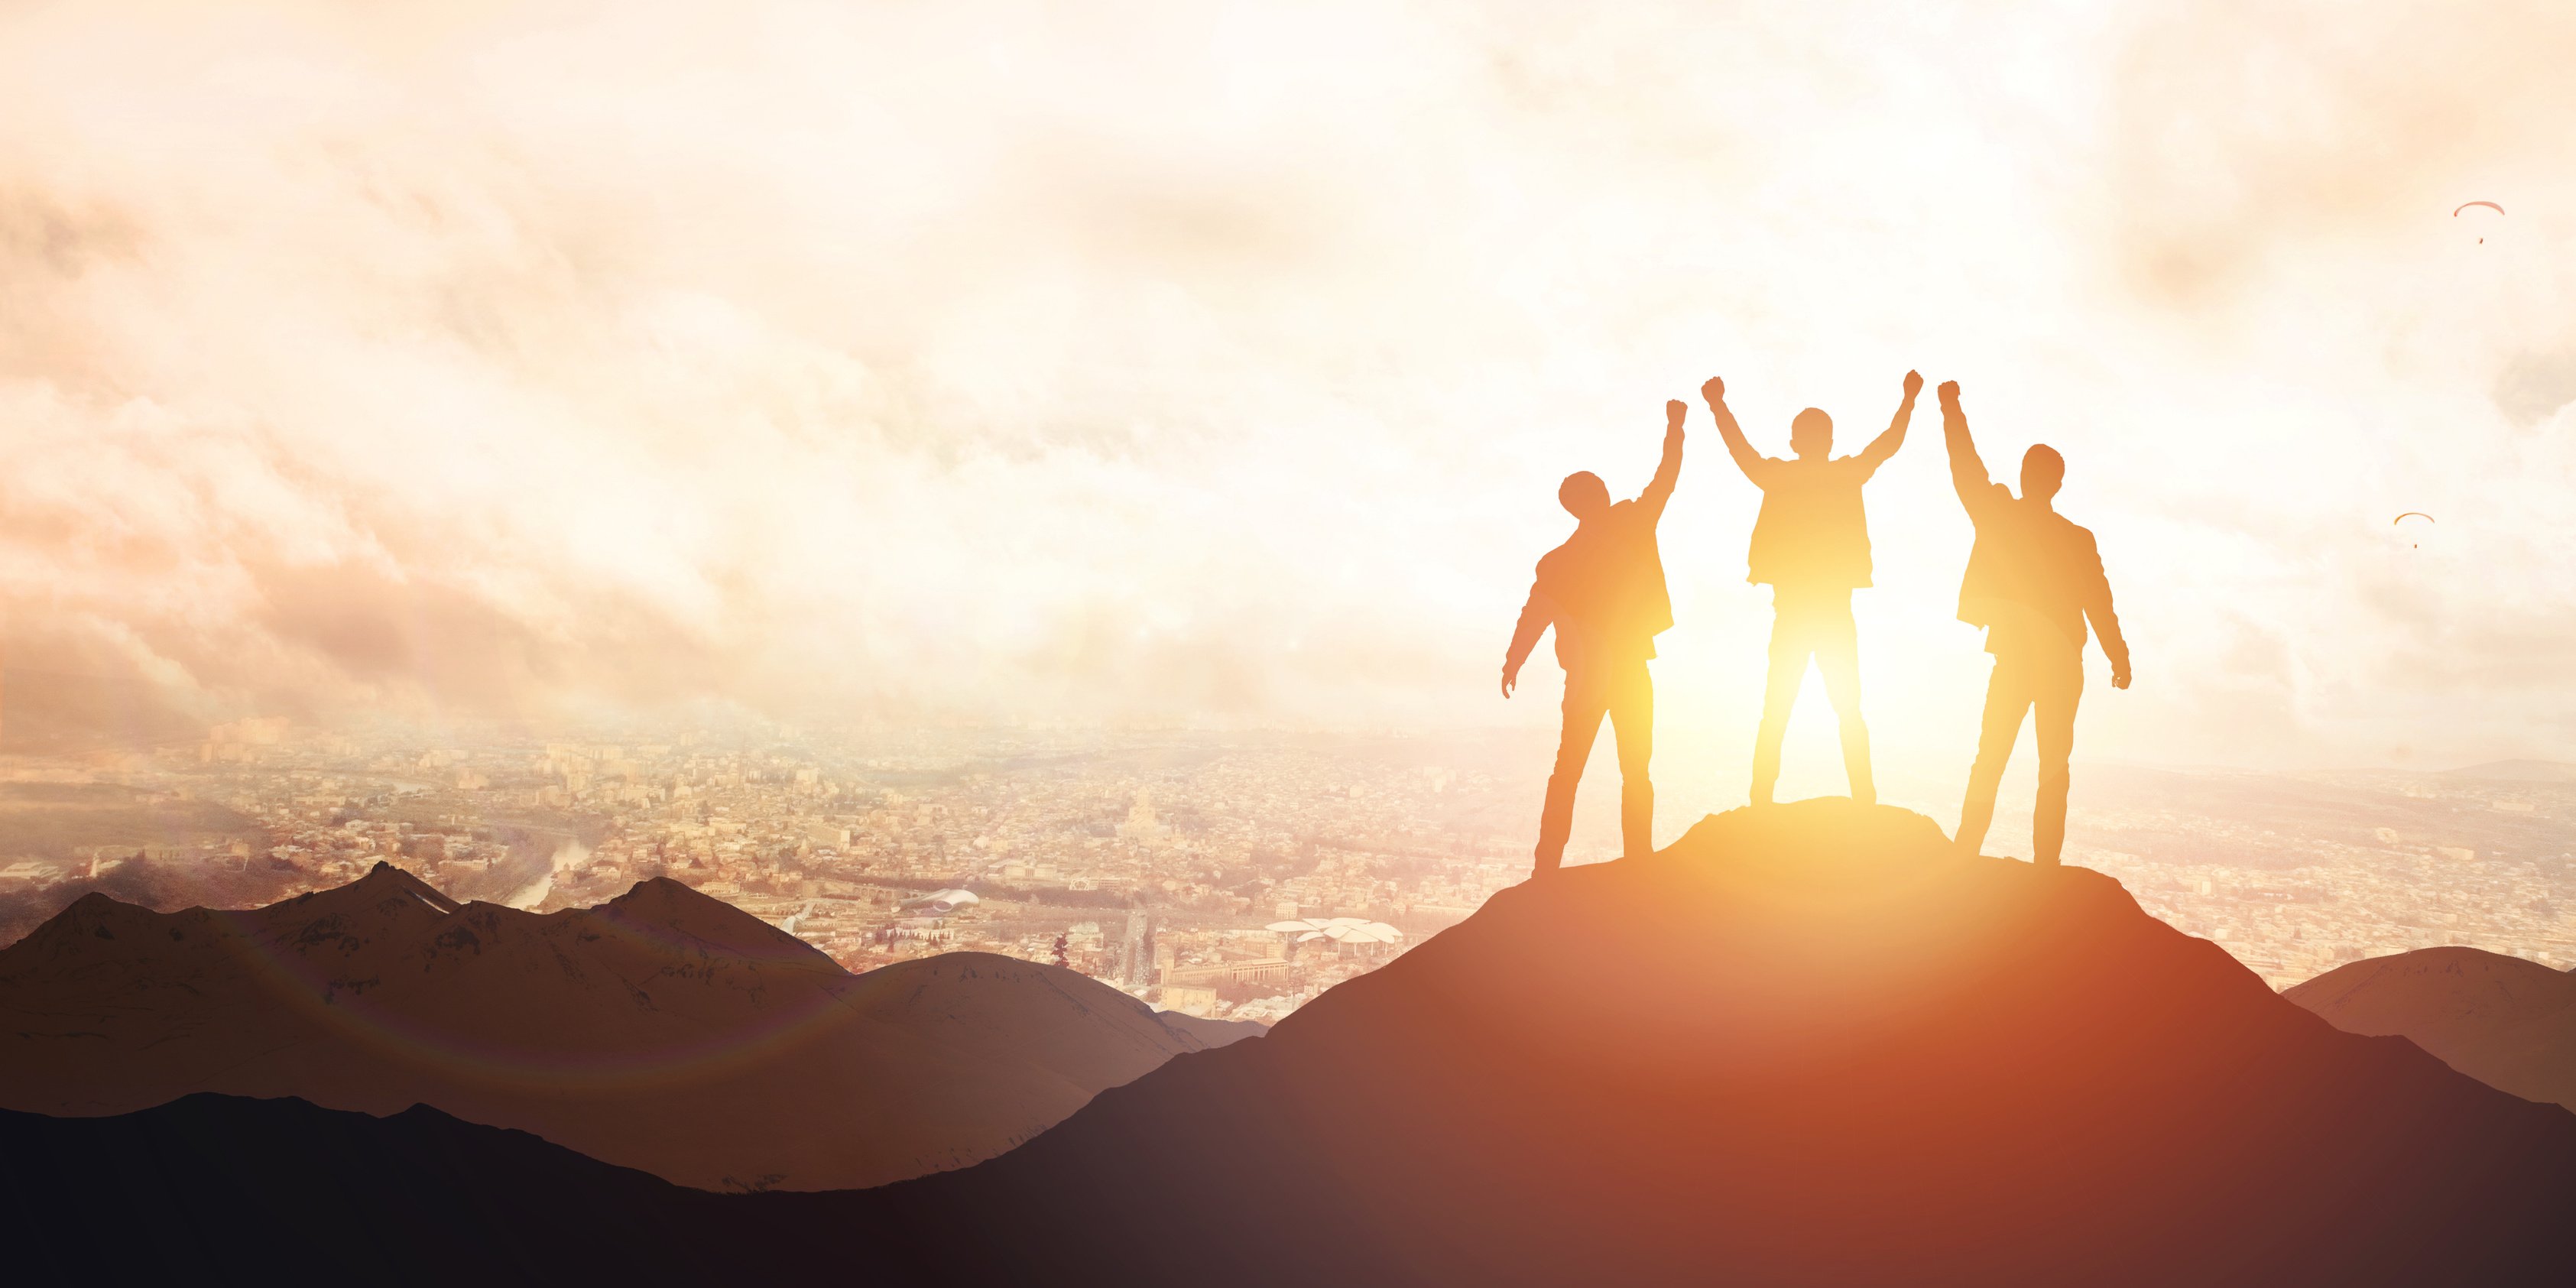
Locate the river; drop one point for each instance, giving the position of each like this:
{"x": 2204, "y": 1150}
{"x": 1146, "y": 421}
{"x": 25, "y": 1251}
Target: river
{"x": 569, "y": 855}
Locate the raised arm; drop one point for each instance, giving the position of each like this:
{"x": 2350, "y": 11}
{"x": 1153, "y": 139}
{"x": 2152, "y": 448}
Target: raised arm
{"x": 1669, "y": 470}
{"x": 1967, "y": 470}
{"x": 1746, "y": 459}
{"x": 2106, "y": 620}
{"x": 1885, "y": 445}
{"x": 1536, "y": 615}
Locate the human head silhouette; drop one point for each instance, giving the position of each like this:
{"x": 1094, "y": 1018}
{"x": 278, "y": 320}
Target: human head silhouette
{"x": 1811, "y": 433}
{"x": 1583, "y": 495}
{"x": 2043, "y": 471}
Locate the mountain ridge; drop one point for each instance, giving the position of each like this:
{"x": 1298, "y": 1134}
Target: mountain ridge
{"x": 663, "y": 1029}
{"x": 2517, "y": 771}
{"x": 1807, "y": 1045}
{"x": 2505, "y": 1021}
{"x": 1871, "y": 1060}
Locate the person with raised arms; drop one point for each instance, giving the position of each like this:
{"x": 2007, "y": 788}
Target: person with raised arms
{"x": 2034, "y": 579}
{"x": 1811, "y": 547}
{"x": 1603, "y": 591}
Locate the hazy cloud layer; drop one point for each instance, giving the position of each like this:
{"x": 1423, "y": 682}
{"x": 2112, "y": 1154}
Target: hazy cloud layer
{"x": 1217, "y": 362}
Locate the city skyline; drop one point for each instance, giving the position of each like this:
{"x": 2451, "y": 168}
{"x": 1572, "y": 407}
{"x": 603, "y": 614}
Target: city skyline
{"x": 1165, "y": 864}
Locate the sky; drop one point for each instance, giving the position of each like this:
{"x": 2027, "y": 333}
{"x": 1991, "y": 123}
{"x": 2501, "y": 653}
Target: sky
{"x": 1214, "y": 364}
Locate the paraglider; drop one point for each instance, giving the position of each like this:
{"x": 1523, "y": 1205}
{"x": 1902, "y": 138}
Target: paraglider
{"x": 2411, "y": 514}
{"x": 2455, "y": 212}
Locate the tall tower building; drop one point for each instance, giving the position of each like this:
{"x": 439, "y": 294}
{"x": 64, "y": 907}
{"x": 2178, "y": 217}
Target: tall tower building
{"x": 1141, "y": 824}
{"x": 1138, "y": 950}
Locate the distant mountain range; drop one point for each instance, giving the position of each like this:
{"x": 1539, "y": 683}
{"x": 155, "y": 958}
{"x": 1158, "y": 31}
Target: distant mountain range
{"x": 665, "y": 1030}
{"x": 2518, "y": 771}
{"x": 2504, "y": 1021}
{"x": 1807, "y": 1045}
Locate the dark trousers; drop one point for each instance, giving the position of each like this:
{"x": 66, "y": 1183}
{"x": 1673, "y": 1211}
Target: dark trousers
{"x": 1623, "y": 691}
{"x": 2048, "y": 682}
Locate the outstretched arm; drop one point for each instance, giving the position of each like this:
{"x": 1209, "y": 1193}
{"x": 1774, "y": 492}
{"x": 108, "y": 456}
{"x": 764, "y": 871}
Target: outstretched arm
{"x": 2106, "y": 622}
{"x": 1746, "y": 459}
{"x": 1967, "y": 470}
{"x": 1535, "y": 617}
{"x": 1669, "y": 470}
{"x": 1885, "y": 445}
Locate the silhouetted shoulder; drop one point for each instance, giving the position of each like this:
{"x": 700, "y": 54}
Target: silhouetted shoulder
{"x": 1562, "y": 570}
{"x": 1985, "y": 500}
{"x": 1553, "y": 561}
{"x": 1766, "y": 470}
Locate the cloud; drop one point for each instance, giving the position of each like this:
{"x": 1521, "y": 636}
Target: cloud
{"x": 2237, "y": 132}
{"x": 2534, "y": 386}
{"x": 1217, "y": 362}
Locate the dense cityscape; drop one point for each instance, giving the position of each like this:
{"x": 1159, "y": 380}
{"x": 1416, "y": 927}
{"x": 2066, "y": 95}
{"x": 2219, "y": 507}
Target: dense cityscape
{"x": 1231, "y": 876}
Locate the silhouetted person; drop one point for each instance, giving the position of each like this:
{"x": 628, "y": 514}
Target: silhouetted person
{"x": 1811, "y": 547}
{"x": 1603, "y": 591}
{"x": 2033, "y": 580}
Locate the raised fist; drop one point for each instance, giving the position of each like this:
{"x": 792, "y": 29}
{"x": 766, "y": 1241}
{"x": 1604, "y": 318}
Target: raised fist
{"x": 1714, "y": 390}
{"x": 1914, "y": 383}
{"x": 1674, "y": 410}
{"x": 1949, "y": 391}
